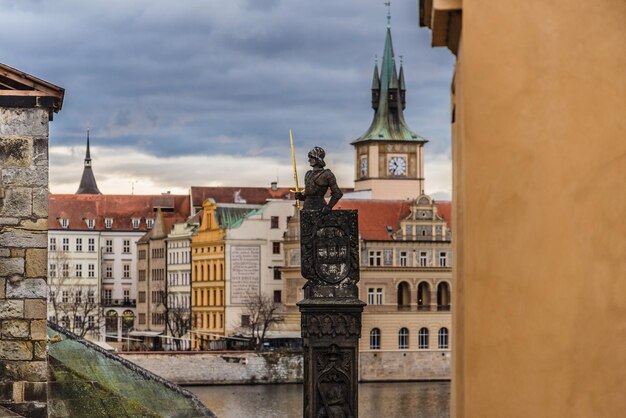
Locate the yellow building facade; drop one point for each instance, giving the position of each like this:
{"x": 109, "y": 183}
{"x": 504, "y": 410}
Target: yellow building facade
{"x": 539, "y": 174}
{"x": 207, "y": 279}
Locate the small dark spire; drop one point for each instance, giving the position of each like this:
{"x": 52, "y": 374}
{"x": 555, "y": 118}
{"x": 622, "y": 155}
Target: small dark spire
{"x": 375, "y": 87}
{"x": 88, "y": 181}
{"x": 402, "y": 86}
{"x": 87, "y": 154}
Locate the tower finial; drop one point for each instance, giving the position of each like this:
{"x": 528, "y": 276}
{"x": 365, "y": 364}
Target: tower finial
{"x": 388, "y": 4}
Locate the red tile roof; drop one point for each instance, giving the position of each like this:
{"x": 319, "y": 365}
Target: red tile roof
{"x": 376, "y": 215}
{"x": 252, "y": 195}
{"x": 444, "y": 209}
{"x": 120, "y": 208}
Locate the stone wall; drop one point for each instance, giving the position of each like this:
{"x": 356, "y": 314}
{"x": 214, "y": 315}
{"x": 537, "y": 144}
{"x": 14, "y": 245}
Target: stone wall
{"x": 409, "y": 365}
{"x": 23, "y": 259}
{"x": 197, "y": 368}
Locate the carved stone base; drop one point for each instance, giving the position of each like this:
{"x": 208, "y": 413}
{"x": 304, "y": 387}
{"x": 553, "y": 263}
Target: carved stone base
{"x": 330, "y": 332}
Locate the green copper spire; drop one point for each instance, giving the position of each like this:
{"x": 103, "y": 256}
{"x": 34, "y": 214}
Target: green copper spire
{"x": 388, "y": 122}
{"x": 376, "y": 79}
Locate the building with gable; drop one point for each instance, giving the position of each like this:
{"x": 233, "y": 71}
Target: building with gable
{"x": 178, "y": 304}
{"x": 207, "y": 279}
{"x": 92, "y": 255}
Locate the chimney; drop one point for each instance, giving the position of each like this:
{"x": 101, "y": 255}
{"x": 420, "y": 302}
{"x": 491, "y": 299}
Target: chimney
{"x": 274, "y": 186}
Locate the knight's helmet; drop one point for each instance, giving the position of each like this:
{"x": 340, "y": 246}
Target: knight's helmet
{"x": 318, "y": 154}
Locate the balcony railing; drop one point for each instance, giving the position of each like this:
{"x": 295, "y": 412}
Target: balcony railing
{"x": 423, "y": 307}
{"x": 443, "y": 308}
{"x": 119, "y": 302}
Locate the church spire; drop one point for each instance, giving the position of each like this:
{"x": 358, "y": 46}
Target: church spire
{"x": 388, "y": 122}
{"x": 88, "y": 181}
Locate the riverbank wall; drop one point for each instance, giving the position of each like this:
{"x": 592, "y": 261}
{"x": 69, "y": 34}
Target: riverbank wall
{"x": 381, "y": 366}
{"x": 236, "y": 368}
{"x": 222, "y": 368}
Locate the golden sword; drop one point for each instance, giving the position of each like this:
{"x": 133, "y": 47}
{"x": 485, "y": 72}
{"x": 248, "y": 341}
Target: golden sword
{"x": 295, "y": 170}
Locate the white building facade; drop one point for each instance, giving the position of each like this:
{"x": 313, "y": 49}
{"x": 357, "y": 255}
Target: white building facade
{"x": 254, "y": 256}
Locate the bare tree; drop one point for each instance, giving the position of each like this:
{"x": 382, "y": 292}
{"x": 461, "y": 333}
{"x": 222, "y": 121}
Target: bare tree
{"x": 72, "y": 303}
{"x": 263, "y": 313}
{"x": 178, "y": 322}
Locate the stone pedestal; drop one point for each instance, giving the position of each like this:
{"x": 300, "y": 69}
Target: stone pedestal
{"x": 331, "y": 313}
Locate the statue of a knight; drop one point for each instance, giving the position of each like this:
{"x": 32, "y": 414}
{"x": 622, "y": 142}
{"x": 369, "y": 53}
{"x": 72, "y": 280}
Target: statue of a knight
{"x": 317, "y": 182}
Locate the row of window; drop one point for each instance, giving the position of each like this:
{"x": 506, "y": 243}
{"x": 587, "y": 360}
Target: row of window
{"x": 207, "y": 320}
{"x": 158, "y": 252}
{"x": 208, "y": 249}
{"x": 77, "y": 296}
{"x": 77, "y": 324}
{"x": 208, "y": 297}
{"x": 375, "y": 294}
{"x": 403, "y": 339}
{"x": 178, "y": 301}
{"x": 108, "y": 271}
{"x": 91, "y": 245}
{"x": 178, "y": 278}
{"x": 208, "y": 271}
{"x": 108, "y": 223}
{"x": 416, "y": 231}
{"x": 78, "y": 244}
{"x": 157, "y": 319}
{"x": 405, "y": 258}
{"x": 157, "y": 296}
{"x": 107, "y": 296}
{"x": 78, "y": 270}
{"x": 178, "y": 257}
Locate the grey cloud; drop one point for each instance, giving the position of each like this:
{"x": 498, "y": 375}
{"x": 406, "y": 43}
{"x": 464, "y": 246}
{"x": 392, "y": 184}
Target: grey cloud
{"x": 193, "y": 77}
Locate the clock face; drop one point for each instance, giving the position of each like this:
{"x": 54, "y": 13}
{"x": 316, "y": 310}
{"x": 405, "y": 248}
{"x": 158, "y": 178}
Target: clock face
{"x": 397, "y": 166}
{"x": 364, "y": 167}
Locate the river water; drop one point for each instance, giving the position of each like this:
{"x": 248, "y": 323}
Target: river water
{"x": 376, "y": 400}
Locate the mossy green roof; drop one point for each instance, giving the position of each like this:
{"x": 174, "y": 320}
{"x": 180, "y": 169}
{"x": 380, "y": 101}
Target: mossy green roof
{"x": 87, "y": 381}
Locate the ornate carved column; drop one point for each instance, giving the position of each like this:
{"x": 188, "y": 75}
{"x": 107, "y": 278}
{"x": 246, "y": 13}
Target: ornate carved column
{"x": 331, "y": 312}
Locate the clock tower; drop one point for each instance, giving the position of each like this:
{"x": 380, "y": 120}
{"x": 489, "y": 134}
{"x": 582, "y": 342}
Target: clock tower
{"x": 389, "y": 156}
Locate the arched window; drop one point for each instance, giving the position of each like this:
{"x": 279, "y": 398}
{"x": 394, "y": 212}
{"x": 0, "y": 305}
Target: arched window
{"x": 423, "y": 338}
{"x": 423, "y": 297}
{"x": 443, "y": 339}
{"x": 403, "y": 339}
{"x": 111, "y": 322}
{"x": 404, "y": 296}
{"x": 443, "y": 296}
{"x": 375, "y": 339}
{"x": 128, "y": 321}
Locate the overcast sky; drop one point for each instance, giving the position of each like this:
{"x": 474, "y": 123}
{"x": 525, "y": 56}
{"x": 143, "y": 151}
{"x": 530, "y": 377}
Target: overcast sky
{"x": 204, "y": 92}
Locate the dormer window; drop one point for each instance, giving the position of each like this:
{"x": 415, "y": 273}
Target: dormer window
{"x": 91, "y": 223}
{"x": 65, "y": 223}
{"x": 108, "y": 223}
{"x": 149, "y": 223}
{"x": 136, "y": 223}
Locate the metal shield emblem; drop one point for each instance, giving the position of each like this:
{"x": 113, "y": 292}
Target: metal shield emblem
{"x": 332, "y": 255}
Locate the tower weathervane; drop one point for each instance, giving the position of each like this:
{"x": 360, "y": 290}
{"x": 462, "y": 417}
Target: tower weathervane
{"x": 388, "y": 4}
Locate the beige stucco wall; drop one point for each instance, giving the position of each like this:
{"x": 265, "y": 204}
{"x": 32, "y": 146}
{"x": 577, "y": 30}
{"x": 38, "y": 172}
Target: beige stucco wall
{"x": 540, "y": 201}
